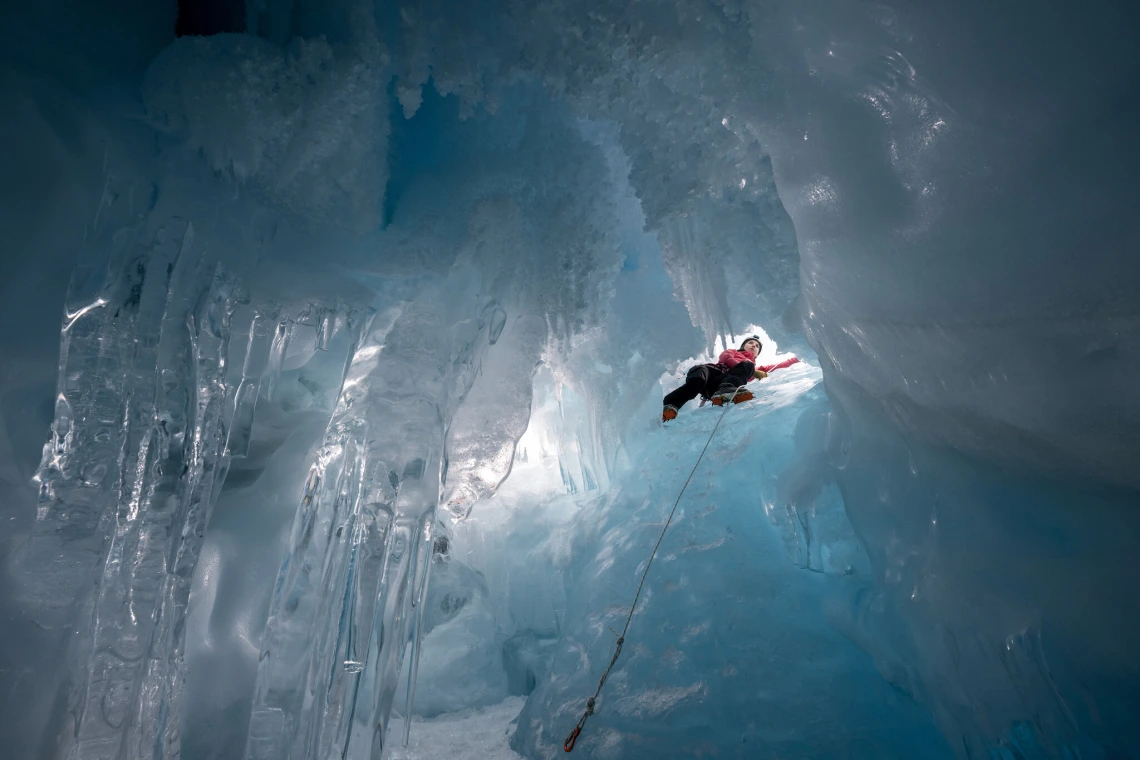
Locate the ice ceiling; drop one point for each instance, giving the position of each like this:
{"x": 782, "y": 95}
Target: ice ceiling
{"x": 303, "y": 297}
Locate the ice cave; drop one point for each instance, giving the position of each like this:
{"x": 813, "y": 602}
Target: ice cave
{"x": 337, "y": 334}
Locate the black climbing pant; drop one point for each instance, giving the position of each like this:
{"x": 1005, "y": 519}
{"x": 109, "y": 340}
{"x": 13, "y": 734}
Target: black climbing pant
{"x": 708, "y": 380}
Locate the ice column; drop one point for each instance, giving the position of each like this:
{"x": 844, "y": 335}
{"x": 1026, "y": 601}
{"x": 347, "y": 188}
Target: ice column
{"x": 128, "y": 478}
{"x": 349, "y": 594}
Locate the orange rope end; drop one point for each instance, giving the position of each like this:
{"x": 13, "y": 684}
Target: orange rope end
{"x": 568, "y": 745}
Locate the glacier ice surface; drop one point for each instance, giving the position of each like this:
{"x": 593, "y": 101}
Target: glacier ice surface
{"x": 470, "y": 734}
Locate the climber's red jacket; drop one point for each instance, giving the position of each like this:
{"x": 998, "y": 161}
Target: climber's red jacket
{"x": 730, "y": 358}
{"x": 781, "y": 365}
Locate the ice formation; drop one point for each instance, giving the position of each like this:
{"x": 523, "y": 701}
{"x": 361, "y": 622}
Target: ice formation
{"x": 338, "y": 331}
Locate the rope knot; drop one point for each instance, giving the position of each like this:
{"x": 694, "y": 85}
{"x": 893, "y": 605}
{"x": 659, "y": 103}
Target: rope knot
{"x": 590, "y": 706}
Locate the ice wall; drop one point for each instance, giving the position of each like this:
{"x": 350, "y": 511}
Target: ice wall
{"x": 196, "y": 336}
{"x": 958, "y": 179}
{"x": 958, "y": 187}
{"x": 731, "y": 652}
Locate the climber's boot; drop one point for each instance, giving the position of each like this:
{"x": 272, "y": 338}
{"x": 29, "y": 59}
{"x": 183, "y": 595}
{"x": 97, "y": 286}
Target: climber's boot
{"x": 736, "y": 397}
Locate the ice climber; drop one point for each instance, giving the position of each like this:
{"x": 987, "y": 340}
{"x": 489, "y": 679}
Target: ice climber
{"x": 723, "y": 381}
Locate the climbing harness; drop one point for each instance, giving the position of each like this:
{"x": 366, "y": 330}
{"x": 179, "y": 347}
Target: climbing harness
{"x": 568, "y": 745}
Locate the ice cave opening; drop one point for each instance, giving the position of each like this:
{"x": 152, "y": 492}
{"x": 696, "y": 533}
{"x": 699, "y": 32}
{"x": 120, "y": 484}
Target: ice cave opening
{"x": 338, "y": 333}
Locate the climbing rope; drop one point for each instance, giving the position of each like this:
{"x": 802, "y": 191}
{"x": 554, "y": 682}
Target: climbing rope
{"x": 568, "y": 745}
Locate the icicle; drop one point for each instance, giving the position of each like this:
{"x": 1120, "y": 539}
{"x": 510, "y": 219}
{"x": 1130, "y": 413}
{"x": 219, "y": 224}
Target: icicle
{"x": 277, "y": 350}
{"x": 312, "y": 626}
{"x": 326, "y": 326}
{"x": 346, "y": 607}
{"x": 258, "y": 354}
{"x": 418, "y": 598}
{"x": 372, "y": 546}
